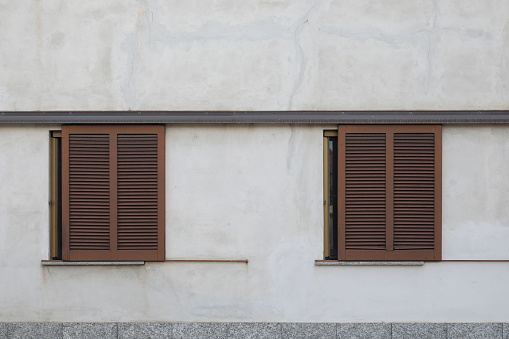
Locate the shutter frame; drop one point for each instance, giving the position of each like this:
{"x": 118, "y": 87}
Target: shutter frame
{"x": 70, "y": 252}
{"x": 390, "y": 252}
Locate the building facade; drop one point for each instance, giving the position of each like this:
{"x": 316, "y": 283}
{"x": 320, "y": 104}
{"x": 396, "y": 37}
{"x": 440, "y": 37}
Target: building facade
{"x": 243, "y": 93}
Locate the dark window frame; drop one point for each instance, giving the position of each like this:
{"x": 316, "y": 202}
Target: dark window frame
{"x": 55, "y": 200}
{"x": 330, "y": 189}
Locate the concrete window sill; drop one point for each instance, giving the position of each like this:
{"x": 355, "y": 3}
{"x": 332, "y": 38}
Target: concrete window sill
{"x": 137, "y": 263}
{"x": 367, "y": 263}
{"x": 91, "y": 263}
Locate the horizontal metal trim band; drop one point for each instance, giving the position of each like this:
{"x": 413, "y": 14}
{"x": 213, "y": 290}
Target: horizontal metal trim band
{"x": 367, "y": 263}
{"x": 268, "y": 117}
{"x": 90, "y": 263}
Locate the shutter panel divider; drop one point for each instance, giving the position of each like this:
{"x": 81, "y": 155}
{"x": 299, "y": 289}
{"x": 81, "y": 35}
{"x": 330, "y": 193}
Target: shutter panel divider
{"x": 341, "y": 192}
{"x": 113, "y": 193}
{"x": 161, "y": 202}
{"x": 438, "y": 191}
{"x": 65, "y": 197}
{"x": 389, "y": 190}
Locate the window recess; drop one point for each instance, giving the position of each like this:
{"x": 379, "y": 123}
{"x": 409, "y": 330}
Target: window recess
{"x": 112, "y": 193}
{"x": 389, "y": 193}
{"x": 55, "y": 200}
{"x": 330, "y": 189}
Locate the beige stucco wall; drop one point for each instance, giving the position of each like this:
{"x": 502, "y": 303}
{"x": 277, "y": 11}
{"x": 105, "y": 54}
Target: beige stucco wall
{"x": 253, "y": 55}
{"x": 476, "y": 192}
{"x": 255, "y": 192}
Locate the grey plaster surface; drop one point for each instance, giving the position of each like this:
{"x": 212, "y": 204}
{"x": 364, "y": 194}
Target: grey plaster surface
{"x": 474, "y": 331}
{"x": 35, "y": 330}
{"x": 254, "y": 330}
{"x": 308, "y": 330}
{"x": 419, "y": 330}
{"x": 90, "y": 330}
{"x": 199, "y": 330}
{"x": 144, "y": 330}
{"x": 364, "y": 331}
{"x": 505, "y": 330}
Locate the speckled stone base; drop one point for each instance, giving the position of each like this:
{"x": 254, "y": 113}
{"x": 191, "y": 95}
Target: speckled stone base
{"x": 254, "y": 330}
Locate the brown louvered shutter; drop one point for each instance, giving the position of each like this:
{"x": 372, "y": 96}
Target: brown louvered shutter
{"x": 389, "y": 192}
{"x": 113, "y": 193}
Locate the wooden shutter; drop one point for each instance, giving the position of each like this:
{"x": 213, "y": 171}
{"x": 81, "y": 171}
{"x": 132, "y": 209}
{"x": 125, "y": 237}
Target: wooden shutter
{"x": 113, "y": 193}
{"x": 389, "y": 192}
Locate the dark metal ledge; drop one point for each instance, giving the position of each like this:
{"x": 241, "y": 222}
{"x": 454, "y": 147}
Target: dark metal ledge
{"x": 261, "y": 117}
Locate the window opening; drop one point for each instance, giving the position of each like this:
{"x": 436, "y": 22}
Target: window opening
{"x": 330, "y": 195}
{"x": 56, "y": 195}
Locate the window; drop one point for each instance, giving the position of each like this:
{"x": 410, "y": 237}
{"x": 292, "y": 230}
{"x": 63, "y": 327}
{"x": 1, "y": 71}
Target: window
{"x": 56, "y": 195}
{"x": 330, "y": 197}
{"x": 112, "y": 193}
{"x": 389, "y": 193}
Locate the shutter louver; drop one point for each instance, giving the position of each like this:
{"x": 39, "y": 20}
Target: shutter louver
{"x": 113, "y": 193}
{"x": 365, "y": 191}
{"x": 137, "y": 192}
{"x": 89, "y": 192}
{"x": 414, "y": 193}
{"x": 389, "y": 192}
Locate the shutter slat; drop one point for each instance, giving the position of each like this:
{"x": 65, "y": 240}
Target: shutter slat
{"x": 89, "y": 224}
{"x": 417, "y": 150}
{"x": 365, "y": 191}
{"x": 137, "y": 186}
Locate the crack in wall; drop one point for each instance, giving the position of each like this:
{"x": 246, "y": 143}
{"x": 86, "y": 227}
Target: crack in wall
{"x": 150, "y": 19}
{"x": 301, "y": 57}
{"x": 291, "y": 149}
{"x": 133, "y": 46}
{"x": 428, "y": 37}
{"x": 432, "y": 39}
{"x": 128, "y": 89}
{"x": 269, "y": 29}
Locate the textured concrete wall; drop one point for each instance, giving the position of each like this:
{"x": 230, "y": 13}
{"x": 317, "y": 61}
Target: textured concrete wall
{"x": 476, "y": 192}
{"x": 254, "y": 330}
{"x": 255, "y": 192}
{"x": 253, "y": 54}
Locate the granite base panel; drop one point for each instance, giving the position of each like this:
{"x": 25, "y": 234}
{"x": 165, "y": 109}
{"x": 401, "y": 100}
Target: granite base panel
{"x": 131, "y": 330}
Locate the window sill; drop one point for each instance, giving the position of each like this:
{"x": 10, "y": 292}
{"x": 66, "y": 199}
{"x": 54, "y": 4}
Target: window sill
{"x": 90, "y": 263}
{"x": 136, "y": 263}
{"x": 367, "y": 263}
